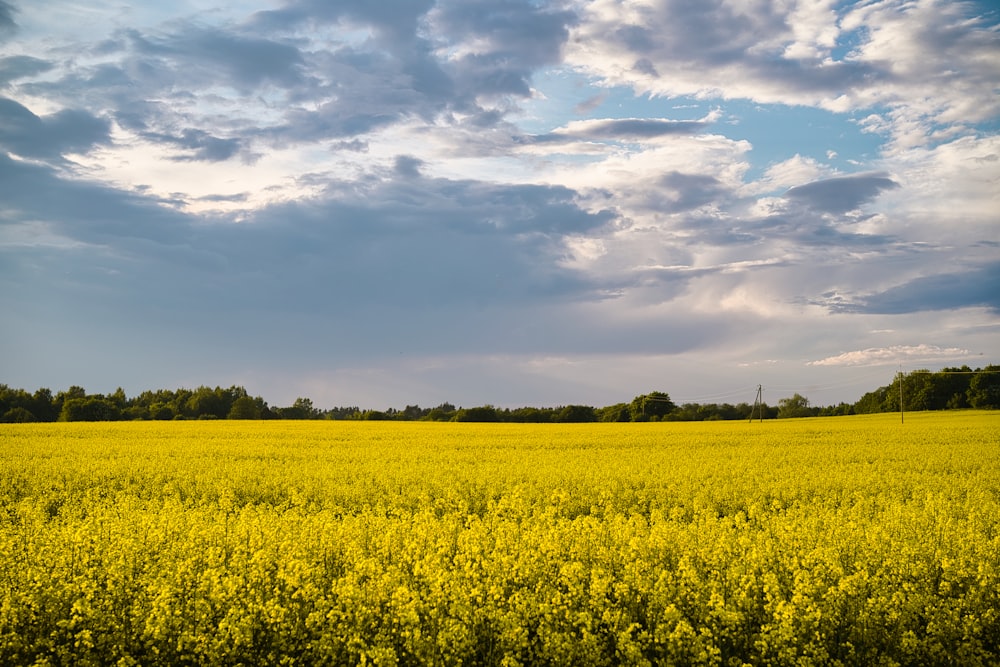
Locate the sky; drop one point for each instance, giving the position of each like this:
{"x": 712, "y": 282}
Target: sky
{"x": 506, "y": 202}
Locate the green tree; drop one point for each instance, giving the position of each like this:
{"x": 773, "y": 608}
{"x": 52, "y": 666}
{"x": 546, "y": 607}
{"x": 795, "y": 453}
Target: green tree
{"x": 647, "y": 407}
{"x": 161, "y": 411}
{"x": 576, "y": 414}
{"x": 89, "y": 409}
{"x": 984, "y": 390}
{"x": 42, "y": 405}
{"x": 442, "y": 413}
{"x": 795, "y": 406}
{"x": 483, "y": 413}
{"x": 206, "y": 402}
{"x": 305, "y": 408}
{"x": 412, "y": 413}
{"x": 619, "y": 412}
{"x": 18, "y": 415}
{"x": 244, "y": 407}
{"x": 529, "y": 415}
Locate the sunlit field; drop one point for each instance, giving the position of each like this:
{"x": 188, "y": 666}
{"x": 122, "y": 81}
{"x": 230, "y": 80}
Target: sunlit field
{"x": 847, "y": 540}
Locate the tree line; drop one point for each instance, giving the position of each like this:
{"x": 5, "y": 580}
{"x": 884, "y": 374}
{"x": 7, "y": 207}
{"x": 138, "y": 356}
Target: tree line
{"x": 950, "y": 388}
{"x": 947, "y": 389}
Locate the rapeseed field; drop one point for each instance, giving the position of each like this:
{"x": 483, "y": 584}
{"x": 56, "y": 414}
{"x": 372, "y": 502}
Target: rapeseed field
{"x": 834, "y": 541}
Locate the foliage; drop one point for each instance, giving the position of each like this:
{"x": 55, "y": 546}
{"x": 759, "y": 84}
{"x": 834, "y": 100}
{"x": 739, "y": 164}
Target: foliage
{"x": 244, "y": 407}
{"x": 650, "y": 407}
{"x": 950, "y": 388}
{"x": 947, "y": 389}
{"x": 852, "y": 541}
{"x": 795, "y": 406}
{"x": 89, "y": 410}
{"x": 984, "y": 389}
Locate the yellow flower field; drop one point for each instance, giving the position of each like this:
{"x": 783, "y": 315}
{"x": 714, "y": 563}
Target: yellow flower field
{"x": 835, "y": 541}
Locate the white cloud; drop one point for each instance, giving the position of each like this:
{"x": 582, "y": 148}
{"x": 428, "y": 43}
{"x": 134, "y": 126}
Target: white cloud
{"x": 896, "y": 354}
{"x": 927, "y": 62}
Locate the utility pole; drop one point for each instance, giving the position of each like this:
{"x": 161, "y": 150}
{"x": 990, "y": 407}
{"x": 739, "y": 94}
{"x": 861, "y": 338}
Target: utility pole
{"x": 758, "y": 401}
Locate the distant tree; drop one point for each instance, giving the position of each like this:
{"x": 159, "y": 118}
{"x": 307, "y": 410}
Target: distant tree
{"x": 18, "y": 415}
{"x": 305, "y": 407}
{"x": 42, "y": 405}
{"x": 63, "y": 396}
{"x": 483, "y": 413}
{"x": 619, "y": 412}
{"x": 89, "y": 409}
{"x": 118, "y": 398}
{"x": 136, "y": 413}
{"x": 878, "y": 400}
{"x": 839, "y": 410}
{"x": 984, "y": 389}
{"x": 207, "y": 402}
{"x": 15, "y": 398}
{"x": 344, "y": 412}
{"x": 795, "y": 406}
{"x": 528, "y": 415}
{"x": 576, "y": 414}
{"x": 161, "y": 412}
{"x": 647, "y": 407}
{"x": 302, "y": 408}
{"x": 412, "y": 413}
{"x": 442, "y": 413}
{"x": 244, "y": 407}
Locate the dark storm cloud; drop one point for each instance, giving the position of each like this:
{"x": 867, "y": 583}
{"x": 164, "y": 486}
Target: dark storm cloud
{"x": 975, "y": 287}
{"x": 47, "y": 137}
{"x": 841, "y": 194}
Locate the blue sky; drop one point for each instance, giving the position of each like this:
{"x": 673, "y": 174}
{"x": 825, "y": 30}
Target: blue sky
{"x": 508, "y": 201}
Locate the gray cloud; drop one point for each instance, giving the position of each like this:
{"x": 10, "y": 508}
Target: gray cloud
{"x": 394, "y": 19}
{"x": 405, "y": 242}
{"x": 7, "y": 11}
{"x": 337, "y": 91}
{"x": 17, "y": 67}
{"x": 511, "y": 40}
{"x": 408, "y": 166}
{"x": 843, "y": 193}
{"x": 200, "y": 144}
{"x": 48, "y": 137}
{"x": 719, "y": 39}
{"x": 80, "y": 212}
{"x": 198, "y": 55}
{"x": 978, "y": 286}
{"x": 621, "y": 129}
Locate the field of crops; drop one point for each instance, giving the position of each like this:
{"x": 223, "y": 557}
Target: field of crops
{"x": 848, "y": 540}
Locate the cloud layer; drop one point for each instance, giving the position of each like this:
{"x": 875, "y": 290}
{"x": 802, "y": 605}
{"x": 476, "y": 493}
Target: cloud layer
{"x": 407, "y": 200}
